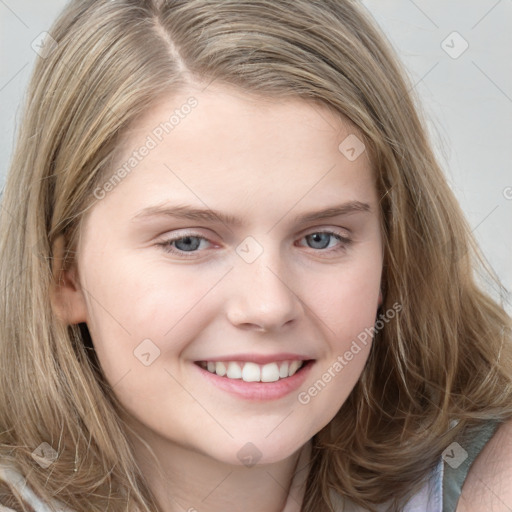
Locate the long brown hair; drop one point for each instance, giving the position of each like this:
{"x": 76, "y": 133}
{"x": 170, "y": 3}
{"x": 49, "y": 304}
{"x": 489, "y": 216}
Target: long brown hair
{"x": 446, "y": 357}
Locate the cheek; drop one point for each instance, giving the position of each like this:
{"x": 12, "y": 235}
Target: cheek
{"x": 347, "y": 302}
{"x": 347, "y": 305}
{"x": 128, "y": 305}
{"x": 140, "y": 326}
{"x": 348, "y": 312}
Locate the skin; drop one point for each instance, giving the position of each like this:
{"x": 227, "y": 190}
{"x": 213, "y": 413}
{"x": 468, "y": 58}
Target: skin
{"x": 487, "y": 486}
{"x": 266, "y": 162}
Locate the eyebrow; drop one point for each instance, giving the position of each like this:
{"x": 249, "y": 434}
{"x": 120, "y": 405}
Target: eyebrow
{"x": 207, "y": 214}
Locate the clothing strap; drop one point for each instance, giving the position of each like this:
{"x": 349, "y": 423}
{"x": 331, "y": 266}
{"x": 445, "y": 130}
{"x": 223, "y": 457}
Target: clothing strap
{"x": 458, "y": 459}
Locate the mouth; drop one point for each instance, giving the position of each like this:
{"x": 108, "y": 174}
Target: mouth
{"x": 258, "y": 382}
{"x": 249, "y": 371}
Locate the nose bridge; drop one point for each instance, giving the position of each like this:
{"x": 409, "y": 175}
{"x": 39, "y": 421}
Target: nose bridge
{"x": 262, "y": 289}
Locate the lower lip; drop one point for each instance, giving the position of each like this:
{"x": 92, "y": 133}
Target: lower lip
{"x": 259, "y": 391}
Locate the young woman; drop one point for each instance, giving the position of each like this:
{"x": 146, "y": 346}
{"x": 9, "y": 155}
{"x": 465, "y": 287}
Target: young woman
{"x": 234, "y": 277}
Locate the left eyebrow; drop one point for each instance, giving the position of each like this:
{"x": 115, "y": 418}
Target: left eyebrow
{"x": 206, "y": 214}
{"x": 334, "y": 211}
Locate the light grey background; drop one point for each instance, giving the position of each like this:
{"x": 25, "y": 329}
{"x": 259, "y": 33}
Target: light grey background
{"x": 467, "y": 96}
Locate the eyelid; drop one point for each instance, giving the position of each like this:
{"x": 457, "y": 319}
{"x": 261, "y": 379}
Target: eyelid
{"x": 165, "y": 241}
{"x": 344, "y": 240}
{"x": 331, "y": 229}
{"x": 184, "y": 232}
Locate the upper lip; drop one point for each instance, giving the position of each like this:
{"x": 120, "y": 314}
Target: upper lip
{"x": 258, "y": 358}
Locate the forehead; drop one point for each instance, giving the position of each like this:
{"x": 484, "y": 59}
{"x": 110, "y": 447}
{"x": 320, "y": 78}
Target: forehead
{"x": 222, "y": 117}
{"x": 222, "y": 144}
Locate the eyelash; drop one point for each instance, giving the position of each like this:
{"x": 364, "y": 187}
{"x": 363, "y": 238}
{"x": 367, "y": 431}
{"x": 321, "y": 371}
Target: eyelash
{"x": 165, "y": 244}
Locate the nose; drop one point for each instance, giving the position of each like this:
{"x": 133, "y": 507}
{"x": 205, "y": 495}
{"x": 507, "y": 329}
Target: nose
{"x": 262, "y": 297}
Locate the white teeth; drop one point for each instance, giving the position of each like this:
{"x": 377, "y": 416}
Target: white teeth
{"x": 234, "y": 371}
{"x": 270, "y": 373}
{"x": 220, "y": 369}
{"x": 294, "y": 366}
{"x": 252, "y": 372}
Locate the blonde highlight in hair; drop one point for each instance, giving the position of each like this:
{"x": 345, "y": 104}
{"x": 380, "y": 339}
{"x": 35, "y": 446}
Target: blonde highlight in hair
{"x": 446, "y": 357}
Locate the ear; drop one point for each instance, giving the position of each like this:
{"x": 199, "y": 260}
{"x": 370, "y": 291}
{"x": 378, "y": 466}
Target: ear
{"x": 66, "y": 295}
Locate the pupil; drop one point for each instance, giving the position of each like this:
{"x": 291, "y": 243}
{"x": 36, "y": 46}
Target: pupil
{"x": 186, "y": 243}
{"x": 317, "y": 238}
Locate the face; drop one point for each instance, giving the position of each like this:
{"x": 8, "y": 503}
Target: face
{"x": 273, "y": 288}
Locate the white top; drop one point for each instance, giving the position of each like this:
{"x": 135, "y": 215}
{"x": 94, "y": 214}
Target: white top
{"x": 9, "y": 474}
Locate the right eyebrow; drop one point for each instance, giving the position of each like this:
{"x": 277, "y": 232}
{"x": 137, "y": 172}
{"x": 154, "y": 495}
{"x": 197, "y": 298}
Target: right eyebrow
{"x": 206, "y": 214}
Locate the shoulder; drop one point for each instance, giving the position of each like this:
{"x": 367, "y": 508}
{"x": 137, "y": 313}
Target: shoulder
{"x": 488, "y": 485}
{"x": 9, "y": 479}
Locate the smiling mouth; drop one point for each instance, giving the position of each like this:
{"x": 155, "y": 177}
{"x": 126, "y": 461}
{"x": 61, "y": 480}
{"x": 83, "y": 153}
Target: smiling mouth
{"x": 253, "y": 372}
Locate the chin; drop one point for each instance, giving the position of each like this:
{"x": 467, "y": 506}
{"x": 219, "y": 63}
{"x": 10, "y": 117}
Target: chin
{"x": 261, "y": 452}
